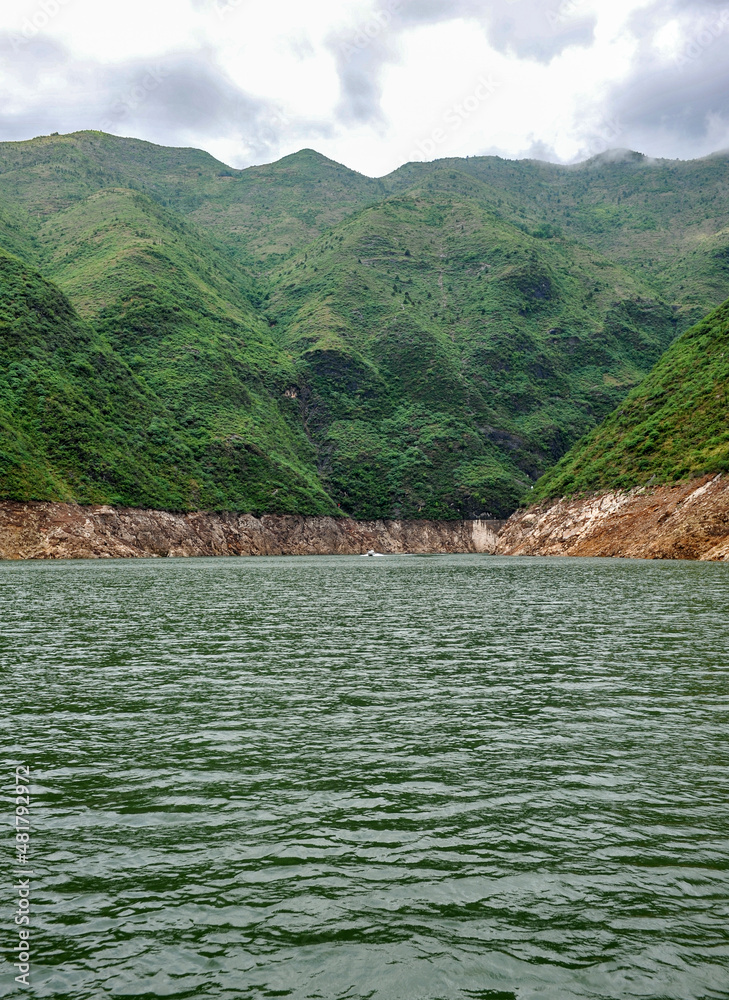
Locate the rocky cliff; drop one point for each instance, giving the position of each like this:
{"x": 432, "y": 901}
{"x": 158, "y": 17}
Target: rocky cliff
{"x": 683, "y": 521}
{"x": 70, "y": 531}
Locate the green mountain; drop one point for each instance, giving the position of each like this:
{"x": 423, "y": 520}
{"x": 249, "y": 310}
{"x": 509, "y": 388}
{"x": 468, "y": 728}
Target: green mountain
{"x": 653, "y": 217}
{"x": 664, "y": 220}
{"x": 260, "y": 214}
{"x": 448, "y": 357}
{"x": 116, "y": 242}
{"x": 308, "y": 339}
{"x": 70, "y": 410}
{"x": 161, "y": 423}
{"x": 673, "y": 426}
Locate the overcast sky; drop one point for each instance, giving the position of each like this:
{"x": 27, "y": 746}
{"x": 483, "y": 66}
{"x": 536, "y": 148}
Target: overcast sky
{"x": 375, "y": 83}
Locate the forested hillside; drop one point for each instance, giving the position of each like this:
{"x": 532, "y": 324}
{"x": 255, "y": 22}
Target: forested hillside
{"x": 160, "y": 423}
{"x": 298, "y": 337}
{"x": 448, "y": 357}
{"x": 673, "y": 426}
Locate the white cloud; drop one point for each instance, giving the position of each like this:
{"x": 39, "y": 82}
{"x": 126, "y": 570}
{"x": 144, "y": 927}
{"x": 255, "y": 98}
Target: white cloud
{"x": 109, "y": 31}
{"x": 373, "y": 82}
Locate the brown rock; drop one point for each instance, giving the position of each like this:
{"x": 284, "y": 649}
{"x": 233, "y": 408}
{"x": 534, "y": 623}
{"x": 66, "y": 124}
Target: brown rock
{"x": 70, "y": 531}
{"x": 682, "y": 521}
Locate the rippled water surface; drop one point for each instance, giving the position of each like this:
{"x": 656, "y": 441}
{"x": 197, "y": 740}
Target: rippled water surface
{"x": 452, "y": 778}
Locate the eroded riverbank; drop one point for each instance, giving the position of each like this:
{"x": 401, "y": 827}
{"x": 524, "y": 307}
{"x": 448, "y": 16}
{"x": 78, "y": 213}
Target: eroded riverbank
{"x": 683, "y": 521}
{"x": 70, "y": 531}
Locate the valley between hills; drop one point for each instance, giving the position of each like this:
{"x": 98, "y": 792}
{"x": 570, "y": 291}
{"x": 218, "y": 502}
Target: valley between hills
{"x": 295, "y": 344}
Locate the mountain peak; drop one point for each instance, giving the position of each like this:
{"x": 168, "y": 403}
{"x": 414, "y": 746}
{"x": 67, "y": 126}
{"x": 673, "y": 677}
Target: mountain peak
{"x": 312, "y": 159}
{"x": 617, "y": 156}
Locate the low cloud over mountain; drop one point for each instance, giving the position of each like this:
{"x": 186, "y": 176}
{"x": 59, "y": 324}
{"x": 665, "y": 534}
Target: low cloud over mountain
{"x": 369, "y": 82}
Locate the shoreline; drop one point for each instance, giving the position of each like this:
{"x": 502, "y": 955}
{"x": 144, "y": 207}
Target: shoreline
{"x": 55, "y": 530}
{"x": 688, "y": 521}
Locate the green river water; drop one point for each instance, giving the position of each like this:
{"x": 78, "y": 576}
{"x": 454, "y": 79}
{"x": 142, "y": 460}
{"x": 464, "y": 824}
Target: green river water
{"x": 447, "y": 778}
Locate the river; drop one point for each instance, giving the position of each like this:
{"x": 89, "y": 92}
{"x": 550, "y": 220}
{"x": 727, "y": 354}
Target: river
{"x": 407, "y": 778}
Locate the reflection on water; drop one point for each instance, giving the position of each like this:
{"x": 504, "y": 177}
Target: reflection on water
{"x": 452, "y": 777}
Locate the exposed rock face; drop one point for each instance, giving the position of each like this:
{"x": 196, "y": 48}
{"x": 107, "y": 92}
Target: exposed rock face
{"x": 69, "y": 531}
{"x": 684, "y": 521}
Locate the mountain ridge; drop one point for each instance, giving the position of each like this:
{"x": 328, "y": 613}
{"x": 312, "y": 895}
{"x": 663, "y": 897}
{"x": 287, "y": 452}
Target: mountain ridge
{"x": 424, "y": 344}
{"x": 674, "y": 426}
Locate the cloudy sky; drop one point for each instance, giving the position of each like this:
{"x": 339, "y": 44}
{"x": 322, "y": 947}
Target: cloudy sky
{"x": 373, "y": 83}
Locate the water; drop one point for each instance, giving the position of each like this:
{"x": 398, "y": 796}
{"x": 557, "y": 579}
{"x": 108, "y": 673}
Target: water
{"x": 452, "y": 778}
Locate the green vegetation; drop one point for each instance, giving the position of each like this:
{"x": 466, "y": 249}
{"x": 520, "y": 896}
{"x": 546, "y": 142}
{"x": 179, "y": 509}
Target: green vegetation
{"x": 77, "y": 422}
{"x": 673, "y": 426}
{"x": 665, "y": 221}
{"x": 298, "y": 337}
{"x": 652, "y": 217}
{"x": 448, "y": 356}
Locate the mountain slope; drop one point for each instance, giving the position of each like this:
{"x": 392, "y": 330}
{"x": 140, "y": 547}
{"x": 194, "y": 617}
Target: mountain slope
{"x": 673, "y": 426}
{"x": 422, "y": 345}
{"x": 117, "y": 241}
{"x": 648, "y": 216}
{"x": 449, "y": 357}
{"x": 74, "y": 421}
{"x": 184, "y": 318}
{"x": 265, "y": 213}
{"x": 258, "y": 213}
{"x": 18, "y": 232}
{"x": 78, "y": 421}
{"x": 50, "y": 173}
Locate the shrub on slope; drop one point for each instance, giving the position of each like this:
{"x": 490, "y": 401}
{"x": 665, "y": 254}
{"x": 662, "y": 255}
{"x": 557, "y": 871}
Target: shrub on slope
{"x": 447, "y": 358}
{"x": 673, "y": 426}
{"x": 77, "y": 422}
